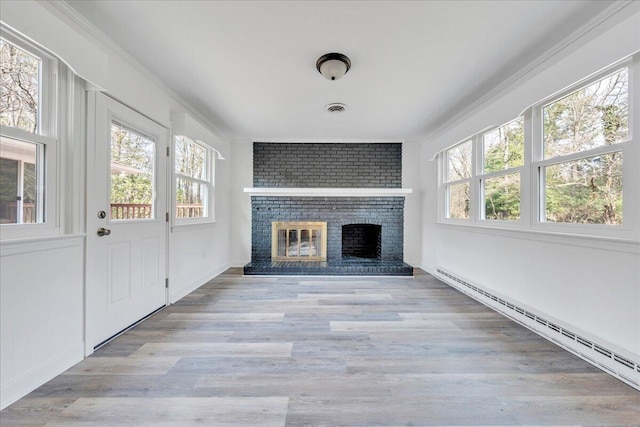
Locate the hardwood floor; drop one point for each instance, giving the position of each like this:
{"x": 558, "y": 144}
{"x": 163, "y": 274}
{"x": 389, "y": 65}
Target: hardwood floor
{"x": 267, "y": 351}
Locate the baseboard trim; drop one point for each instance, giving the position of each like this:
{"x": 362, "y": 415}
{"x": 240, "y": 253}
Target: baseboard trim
{"x": 176, "y": 295}
{"x": 34, "y": 378}
{"x": 589, "y": 348}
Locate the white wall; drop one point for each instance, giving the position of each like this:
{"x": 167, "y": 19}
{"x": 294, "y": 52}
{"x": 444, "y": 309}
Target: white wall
{"x": 241, "y": 177}
{"x": 42, "y": 279}
{"x": 411, "y": 178}
{"x": 590, "y": 285}
{"x": 199, "y": 252}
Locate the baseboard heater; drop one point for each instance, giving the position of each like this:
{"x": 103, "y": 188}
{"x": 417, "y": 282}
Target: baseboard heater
{"x": 596, "y": 354}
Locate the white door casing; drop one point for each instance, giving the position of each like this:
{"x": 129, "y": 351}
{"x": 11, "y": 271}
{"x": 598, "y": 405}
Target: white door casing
{"x": 126, "y": 268}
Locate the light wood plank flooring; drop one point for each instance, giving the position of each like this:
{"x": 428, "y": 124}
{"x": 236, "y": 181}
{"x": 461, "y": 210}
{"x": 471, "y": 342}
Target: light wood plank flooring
{"x": 256, "y": 351}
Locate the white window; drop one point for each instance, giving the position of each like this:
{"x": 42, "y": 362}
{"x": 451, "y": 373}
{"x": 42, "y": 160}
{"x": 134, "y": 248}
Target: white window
{"x": 194, "y": 174}
{"x": 458, "y": 173}
{"x": 585, "y": 134}
{"x": 568, "y": 165}
{"x": 502, "y": 163}
{"x": 28, "y": 147}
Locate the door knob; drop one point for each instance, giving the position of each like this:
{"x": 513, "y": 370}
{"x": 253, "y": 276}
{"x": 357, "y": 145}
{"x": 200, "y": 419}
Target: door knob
{"x": 103, "y": 231}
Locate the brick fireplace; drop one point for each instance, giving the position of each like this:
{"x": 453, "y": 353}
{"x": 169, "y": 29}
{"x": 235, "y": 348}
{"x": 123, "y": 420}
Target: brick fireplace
{"x": 355, "y": 188}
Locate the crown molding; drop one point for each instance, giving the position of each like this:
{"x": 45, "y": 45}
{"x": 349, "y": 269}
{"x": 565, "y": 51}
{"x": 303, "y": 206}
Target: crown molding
{"x": 77, "y": 21}
{"x": 526, "y": 71}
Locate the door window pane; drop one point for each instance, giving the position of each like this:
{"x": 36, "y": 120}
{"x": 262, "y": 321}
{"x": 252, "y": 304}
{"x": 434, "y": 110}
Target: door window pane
{"x": 132, "y": 174}
{"x": 587, "y": 191}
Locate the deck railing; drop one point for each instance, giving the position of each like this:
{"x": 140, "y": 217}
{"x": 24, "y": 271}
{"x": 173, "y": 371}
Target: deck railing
{"x": 189, "y": 211}
{"x": 130, "y": 211}
{"x": 9, "y": 213}
{"x": 144, "y": 211}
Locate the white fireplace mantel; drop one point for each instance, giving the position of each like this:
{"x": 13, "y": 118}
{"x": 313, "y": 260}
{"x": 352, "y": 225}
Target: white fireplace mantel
{"x": 328, "y": 192}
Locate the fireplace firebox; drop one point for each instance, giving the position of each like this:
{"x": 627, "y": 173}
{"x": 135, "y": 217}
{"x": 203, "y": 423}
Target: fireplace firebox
{"x": 361, "y": 241}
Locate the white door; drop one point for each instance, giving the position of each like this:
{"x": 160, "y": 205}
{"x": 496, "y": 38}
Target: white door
{"x": 126, "y": 218}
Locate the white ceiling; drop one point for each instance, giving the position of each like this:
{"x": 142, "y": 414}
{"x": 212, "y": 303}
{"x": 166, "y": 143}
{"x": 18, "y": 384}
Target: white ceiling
{"x": 249, "y": 66}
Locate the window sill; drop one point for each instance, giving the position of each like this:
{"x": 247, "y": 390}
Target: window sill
{"x": 612, "y": 243}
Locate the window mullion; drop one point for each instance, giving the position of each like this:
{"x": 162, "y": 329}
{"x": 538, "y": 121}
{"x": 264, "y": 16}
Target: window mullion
{"x": 536, "y": 184}
{"x": 476, "y": 187}
{"x": 502, "y": 172}
{"x": 527, "y": 202}
{"x": 594, "y": 152}
{"x": 192, "y": 179}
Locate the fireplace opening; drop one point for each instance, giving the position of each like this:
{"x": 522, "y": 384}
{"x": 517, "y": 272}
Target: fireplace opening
{"x": 361, "y": 241}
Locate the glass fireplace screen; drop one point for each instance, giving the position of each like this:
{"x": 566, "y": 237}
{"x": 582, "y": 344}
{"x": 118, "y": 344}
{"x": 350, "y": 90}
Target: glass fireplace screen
{"x": 299, "y": 241}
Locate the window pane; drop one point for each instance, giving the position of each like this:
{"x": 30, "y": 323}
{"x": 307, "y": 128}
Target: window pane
{"x": 459, "y": 200}
{"x": 190, "y": 158}
{"x": 590, "y": 117}
{"x": 132, "y": 171}
{"x": 503, "y": 148}
{"x": 190, "y": 199}
{"x": 294, "y": 249}
{"x": 502, "y": 197}
{"x": 316, "y": 238}
{"x": 585, "y": 191}
{"x": 305, "y": 243}
{"x": 459, "y": 162}
{"x": 282, "y": 242}
{"x": 19, "y": 187}
{"x": 20, "y": 88}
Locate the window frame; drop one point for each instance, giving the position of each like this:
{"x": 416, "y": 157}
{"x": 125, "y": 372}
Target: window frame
{"x": 46, "y": 136}
{"x": 209, "y": 184}
{"x": 532, "y": 186}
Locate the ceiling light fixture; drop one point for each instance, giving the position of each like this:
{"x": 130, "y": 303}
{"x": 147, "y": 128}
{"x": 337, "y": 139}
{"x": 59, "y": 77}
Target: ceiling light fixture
{"x": 333, "y": 65}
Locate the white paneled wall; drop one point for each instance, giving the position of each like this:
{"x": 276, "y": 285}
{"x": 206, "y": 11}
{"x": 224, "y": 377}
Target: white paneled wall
{"x": 42, "y": 312}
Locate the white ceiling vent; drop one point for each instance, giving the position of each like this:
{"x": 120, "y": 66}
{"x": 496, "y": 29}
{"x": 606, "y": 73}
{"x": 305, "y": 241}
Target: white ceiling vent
{"x": 336, "y": 107}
